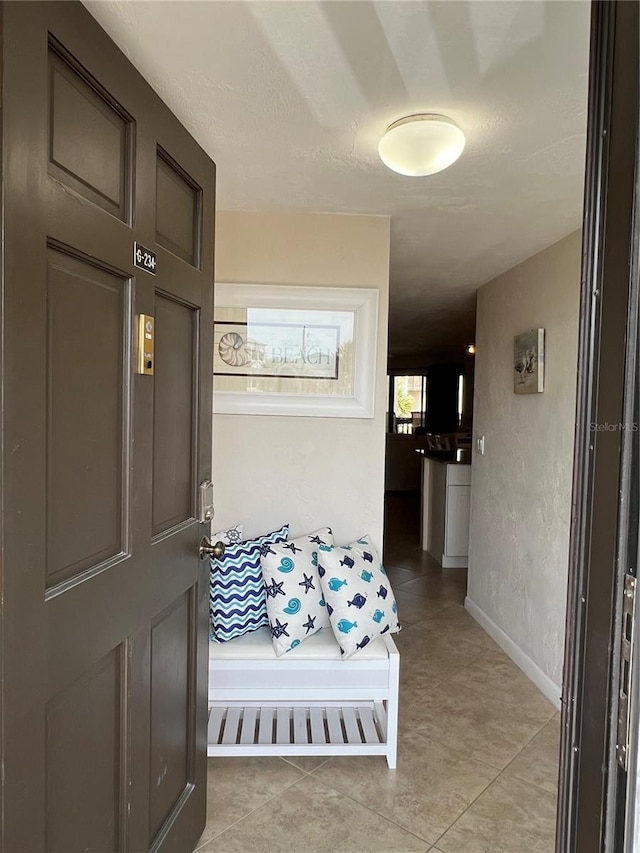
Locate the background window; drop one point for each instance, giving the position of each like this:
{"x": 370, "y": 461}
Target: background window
{"x": 407, "y": 403}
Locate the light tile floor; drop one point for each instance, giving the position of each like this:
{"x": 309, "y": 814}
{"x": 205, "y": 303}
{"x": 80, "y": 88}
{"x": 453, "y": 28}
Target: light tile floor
{"x": 478, "y": 746}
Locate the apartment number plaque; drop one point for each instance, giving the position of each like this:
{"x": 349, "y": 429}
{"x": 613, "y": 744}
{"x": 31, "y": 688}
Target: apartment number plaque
{"x": 144, "y": 258}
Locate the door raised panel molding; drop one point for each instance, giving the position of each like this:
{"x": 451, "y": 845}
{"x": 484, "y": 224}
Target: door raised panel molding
{"x": 172, "y": 752}
{"x": 87, "y": 416}
{"x": 90, "y": 136}
{"x": 84, "y": 761}
{"x": 174, "y": 401}
{"x": 178, "y": 210}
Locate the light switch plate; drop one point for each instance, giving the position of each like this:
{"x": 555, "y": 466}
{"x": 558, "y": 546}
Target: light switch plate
{"x": 480, "y": 445}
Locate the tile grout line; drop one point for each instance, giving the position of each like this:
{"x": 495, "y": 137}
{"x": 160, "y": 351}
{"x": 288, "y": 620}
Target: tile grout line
{"x": 526, "y": 782}
{"x": 462, "y": 814}
{"x": 249, "y": 813}
{"x": 480, "y": 694}
{"x": 307, "y": 772}
{"x": 447, "y": 678}
{"x": 373, "y": 811}
{"x": 489, "y": 648}
{"x": 466, "y": 756}
{"x": 485, "y": 763}
{"x": 480, "y": 760}
{"x": 526, "y": 746}
{"x": 497, "y": 778}
{"x": 395, "y": 823}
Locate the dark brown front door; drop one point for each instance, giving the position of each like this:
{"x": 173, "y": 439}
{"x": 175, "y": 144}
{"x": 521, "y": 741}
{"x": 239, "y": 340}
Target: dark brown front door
{"x": 104, "y": 599}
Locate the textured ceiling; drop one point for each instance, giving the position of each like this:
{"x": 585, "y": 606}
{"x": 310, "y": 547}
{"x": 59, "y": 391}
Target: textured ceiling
{"x": 290, "y": 99}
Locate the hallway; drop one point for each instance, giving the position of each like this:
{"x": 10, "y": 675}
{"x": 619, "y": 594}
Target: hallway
{"x": 478, "y": 745}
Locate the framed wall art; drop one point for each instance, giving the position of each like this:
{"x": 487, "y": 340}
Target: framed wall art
{"x": 528, "y": 362}
{"x": 289, "y": 350}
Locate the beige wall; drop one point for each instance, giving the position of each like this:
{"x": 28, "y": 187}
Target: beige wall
{"x": 307, "y": 471}
{"x": 521, "y": 487}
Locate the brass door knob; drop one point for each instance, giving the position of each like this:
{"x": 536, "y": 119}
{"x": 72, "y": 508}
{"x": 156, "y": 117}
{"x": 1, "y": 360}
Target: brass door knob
{"x": 208, "y": 550}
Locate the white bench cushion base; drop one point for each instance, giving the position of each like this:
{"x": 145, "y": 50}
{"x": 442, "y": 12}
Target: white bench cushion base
{"x": 320, "y": 646}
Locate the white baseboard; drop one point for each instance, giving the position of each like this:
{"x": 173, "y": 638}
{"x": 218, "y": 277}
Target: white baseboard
{"x": 542, "y": 681}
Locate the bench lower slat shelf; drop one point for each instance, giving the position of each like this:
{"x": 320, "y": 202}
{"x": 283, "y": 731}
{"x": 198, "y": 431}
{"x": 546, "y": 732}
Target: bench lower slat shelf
{"x": 316, "y": 731}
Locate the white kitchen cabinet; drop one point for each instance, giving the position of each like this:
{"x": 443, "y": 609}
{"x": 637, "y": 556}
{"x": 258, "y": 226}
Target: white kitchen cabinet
{"x": 446, "y": 499}
{"x": 457, "y": 522}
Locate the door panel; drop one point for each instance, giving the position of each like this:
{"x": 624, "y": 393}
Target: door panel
{"x": 104, "y": 599}
{"x": 171, "y": 754}
{"x": 83, "y": 762}
{"x": 89, "y": 135}
{"x": 174, "y": 484}
{"x": 87, "y": 383}
{"x": 178, "y": 200}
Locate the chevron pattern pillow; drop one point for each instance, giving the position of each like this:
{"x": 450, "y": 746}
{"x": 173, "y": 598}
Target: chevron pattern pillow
{"x": 230, "y": 536}
{"x": 236, "y": 594}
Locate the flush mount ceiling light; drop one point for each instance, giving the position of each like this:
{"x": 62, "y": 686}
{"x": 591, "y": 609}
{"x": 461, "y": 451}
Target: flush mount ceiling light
{"x": 421, "y": 144}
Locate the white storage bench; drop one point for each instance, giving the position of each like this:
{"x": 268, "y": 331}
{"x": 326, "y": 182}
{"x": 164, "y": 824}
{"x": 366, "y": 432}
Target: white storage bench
{"x": 308, "y": 702}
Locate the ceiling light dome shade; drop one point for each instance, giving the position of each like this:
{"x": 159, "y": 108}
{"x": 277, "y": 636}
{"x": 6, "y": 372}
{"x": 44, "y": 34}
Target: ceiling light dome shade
{"x": 421, "y": 144}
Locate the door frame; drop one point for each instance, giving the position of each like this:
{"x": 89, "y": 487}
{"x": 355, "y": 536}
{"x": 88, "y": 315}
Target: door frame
{"x": 591, "y": 788}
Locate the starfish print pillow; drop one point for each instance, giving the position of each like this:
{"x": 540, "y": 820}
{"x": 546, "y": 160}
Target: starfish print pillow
{"x": 359, "y": 597}
{"x": 296, "y": 608}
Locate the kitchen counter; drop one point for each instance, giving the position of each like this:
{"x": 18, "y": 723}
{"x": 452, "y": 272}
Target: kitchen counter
{"x": 462, "y": 456}
{"x": 446, "y": 500}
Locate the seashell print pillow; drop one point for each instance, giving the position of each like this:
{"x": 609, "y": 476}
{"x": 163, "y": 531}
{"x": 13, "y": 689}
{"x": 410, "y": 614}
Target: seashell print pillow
{"x": 295, "y": 604}
{"x": 359, "y": 597}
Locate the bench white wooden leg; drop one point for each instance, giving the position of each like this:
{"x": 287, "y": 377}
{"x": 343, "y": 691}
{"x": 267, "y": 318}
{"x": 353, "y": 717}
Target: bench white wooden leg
{"x": 392, "y": 705}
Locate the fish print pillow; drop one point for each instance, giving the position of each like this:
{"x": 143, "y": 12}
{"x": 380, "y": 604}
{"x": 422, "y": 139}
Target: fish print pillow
{"x": 296, "y": 608}
{"x": 359, "y": 597}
